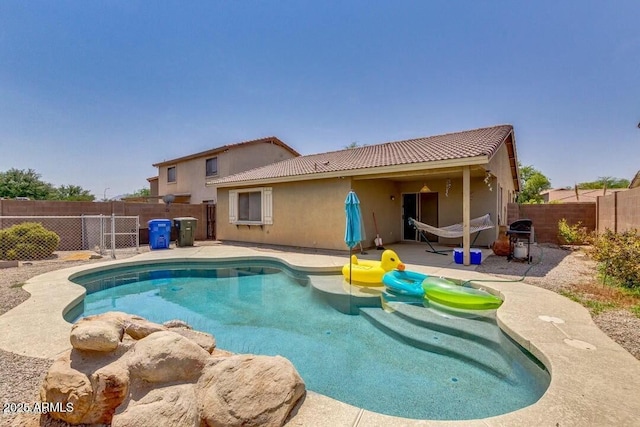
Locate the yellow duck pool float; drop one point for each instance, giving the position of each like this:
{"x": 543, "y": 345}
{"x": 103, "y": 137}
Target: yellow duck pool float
{"x": 371, "y": 272}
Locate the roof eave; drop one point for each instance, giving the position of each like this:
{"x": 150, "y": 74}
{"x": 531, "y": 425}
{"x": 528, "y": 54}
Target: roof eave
{"x": 438, "y": 164}
{"x": 635, "y": 182}
{"x": 510, "y": 141}
{"x": 190, "y": 157}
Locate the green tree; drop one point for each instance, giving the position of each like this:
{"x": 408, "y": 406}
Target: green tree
{"x": 72, "y": 193}
{"x": 533, "y": 183}
{"x": 24, "y": 183}
{"x": 143, "y": 192}
{"x": 604, "y": 182}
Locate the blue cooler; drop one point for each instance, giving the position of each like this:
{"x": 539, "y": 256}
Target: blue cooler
{"x": 476, "y": 256}
{"x": 159, "y": 233}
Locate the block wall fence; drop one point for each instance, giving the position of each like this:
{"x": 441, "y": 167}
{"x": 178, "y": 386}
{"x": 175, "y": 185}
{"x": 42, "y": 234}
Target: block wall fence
{"x": 617, "y": 211}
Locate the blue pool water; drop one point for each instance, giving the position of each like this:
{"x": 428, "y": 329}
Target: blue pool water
{"x": 266, "y": 309}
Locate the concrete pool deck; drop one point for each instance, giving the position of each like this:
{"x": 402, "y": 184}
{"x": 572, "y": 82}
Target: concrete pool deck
{"x": 594, "y": 381}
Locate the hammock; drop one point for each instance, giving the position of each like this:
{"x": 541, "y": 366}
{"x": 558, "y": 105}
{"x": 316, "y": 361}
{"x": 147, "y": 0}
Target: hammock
{"x": 476, "y": 225}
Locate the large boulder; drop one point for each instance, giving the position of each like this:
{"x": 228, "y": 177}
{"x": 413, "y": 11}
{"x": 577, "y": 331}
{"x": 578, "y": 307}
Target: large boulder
{"x": 95, "y": 383}
{"x": 96, "y": 335}
{"x": 165, "y": 357}
{"x": 169, "y": 406}
{"x": 137, "y": 327}
{"x": 118, "y": 318}
{"x": 64, "y": 384}
{"x": 217, "y": 352}
{"x": 248, "y": 390}
{"x": 164, "y": 378}
{"x": 203, "y": 339}
{"x": 110, "y": 388}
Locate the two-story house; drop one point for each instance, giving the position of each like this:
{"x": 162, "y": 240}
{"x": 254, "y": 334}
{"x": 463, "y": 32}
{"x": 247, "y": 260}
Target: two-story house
{"x": 190, "y": 178}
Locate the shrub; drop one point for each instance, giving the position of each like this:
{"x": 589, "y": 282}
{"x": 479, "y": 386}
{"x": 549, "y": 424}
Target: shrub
{"x": 27, "y": 241}
{"x": 573, "y": 234}
{"x": 619, "y": 256}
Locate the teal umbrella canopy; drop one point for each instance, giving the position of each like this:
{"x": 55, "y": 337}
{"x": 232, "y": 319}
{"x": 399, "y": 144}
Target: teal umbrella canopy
{"x": 353, "y": 232}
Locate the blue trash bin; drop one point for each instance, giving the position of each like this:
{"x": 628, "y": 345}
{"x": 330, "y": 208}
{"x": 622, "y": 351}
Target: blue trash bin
{"x": 159, "y": 233}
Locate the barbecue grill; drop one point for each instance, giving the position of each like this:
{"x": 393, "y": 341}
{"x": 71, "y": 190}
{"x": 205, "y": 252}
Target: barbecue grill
{"x": 520, "y": 232}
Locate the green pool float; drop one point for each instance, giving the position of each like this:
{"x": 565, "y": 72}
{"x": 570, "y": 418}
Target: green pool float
{"x": 450, "y": 294}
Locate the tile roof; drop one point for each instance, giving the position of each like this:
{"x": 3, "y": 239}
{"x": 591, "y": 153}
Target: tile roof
{"x": 584, "y": 195}
{"x": 269, "y": 139}
{"x": 459, "y": 145}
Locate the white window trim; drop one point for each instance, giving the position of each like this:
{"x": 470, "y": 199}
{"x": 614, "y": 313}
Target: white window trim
{"x": 266, "y": 211}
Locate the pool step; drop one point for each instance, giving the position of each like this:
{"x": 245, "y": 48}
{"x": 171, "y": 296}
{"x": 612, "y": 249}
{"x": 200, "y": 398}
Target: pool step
{"x": 333, "y": 291}
{"x": 486, "y": 357}
{"x": 480, "y": 328}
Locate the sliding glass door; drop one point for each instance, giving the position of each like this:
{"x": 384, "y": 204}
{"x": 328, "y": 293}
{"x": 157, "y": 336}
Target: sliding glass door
{"x": 424, "y": 208}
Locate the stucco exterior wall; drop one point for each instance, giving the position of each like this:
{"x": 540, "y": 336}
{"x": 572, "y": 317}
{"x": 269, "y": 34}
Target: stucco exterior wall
{"x": 191, "y": 174}
{"x": 306, "y": 214}
{"x": 245, "y": 157}
{"x": 153, "y": 187}
{"x": 375, "y": 196}
{"x": 501, "y": 170}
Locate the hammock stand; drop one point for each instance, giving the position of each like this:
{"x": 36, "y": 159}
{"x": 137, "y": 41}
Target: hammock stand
{"x": 476, "y": 225}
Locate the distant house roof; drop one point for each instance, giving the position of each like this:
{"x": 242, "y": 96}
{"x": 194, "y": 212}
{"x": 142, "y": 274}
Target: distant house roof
{"x": 569, "y": 195}
{"x": 635, "y": 182}
{"x": 415, "y": 153}
{"x": 213, "y": 151}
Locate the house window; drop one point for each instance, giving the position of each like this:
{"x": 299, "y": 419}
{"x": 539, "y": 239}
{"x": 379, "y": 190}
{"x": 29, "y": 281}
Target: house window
{"x": 250, "y": 206}
{"x": 211, "y": 166}
{"x": 171, "y": 174}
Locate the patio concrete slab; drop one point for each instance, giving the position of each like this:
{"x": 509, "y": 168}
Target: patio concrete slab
{"x": 594, "y": 381}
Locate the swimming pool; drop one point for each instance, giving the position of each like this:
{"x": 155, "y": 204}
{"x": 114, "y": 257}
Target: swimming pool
{"x": 453, "y": 369}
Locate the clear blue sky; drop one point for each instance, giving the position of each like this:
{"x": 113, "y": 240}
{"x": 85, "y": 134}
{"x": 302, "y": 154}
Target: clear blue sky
{"x": 93, "y": 92}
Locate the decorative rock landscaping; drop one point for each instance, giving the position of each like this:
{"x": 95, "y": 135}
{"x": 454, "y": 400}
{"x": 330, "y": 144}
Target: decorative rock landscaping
{"x": 126, "y": 371}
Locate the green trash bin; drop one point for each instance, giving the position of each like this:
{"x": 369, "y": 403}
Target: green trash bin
{"x": 186, "y": 227}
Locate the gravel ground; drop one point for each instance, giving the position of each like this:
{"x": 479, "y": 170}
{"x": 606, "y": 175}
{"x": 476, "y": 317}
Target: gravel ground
{"x": 553, "y": 268}
{"x": 571, "y": 272}
{"x": 21, "y": 376}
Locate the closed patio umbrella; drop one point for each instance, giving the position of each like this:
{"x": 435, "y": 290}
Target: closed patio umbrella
{"x": 353, "y": 231}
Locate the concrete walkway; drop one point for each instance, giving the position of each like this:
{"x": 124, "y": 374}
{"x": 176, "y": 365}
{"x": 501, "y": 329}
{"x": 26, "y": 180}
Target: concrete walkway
{"x": 594, "y": 381}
